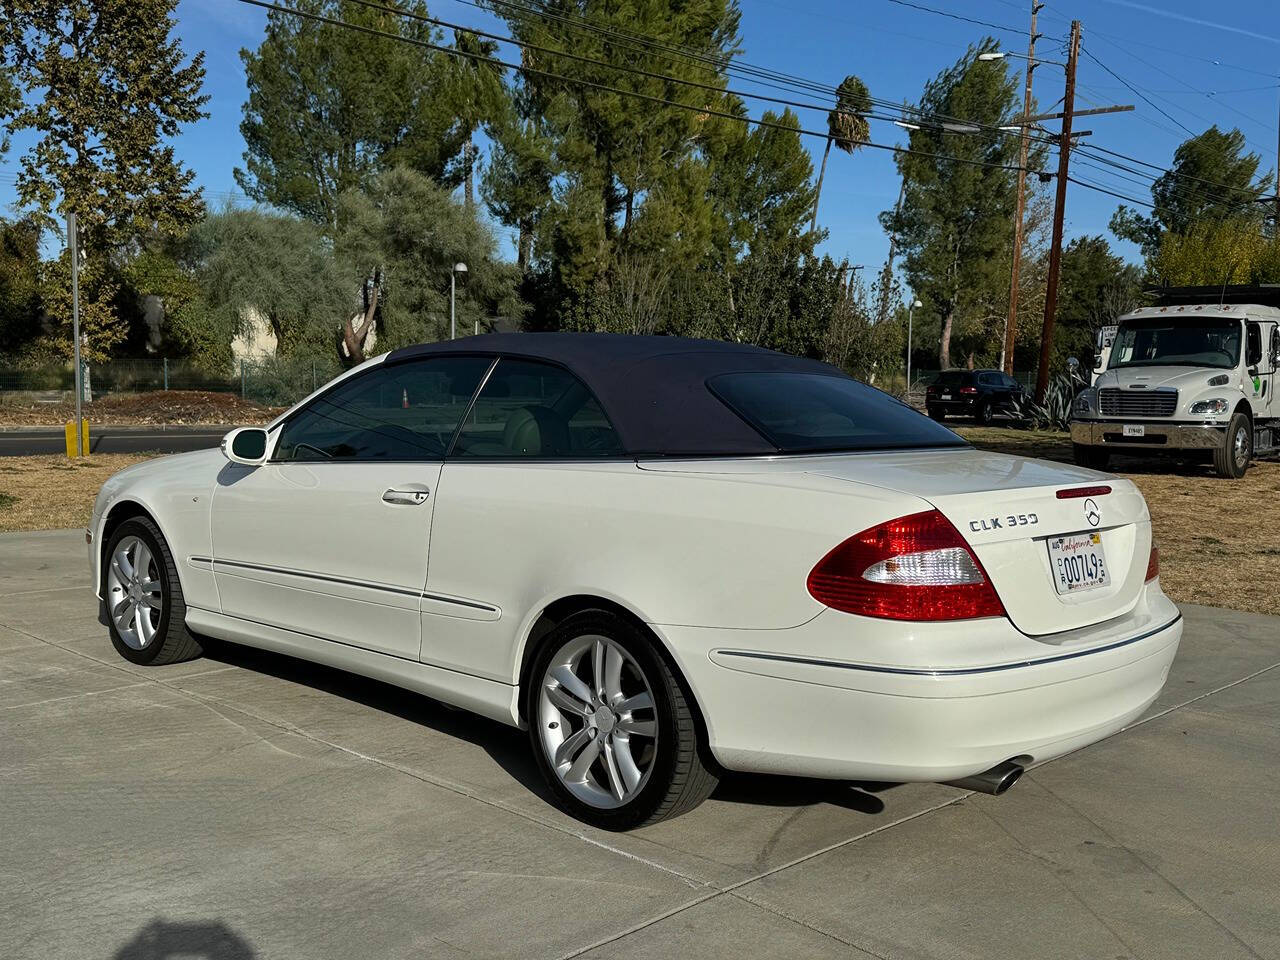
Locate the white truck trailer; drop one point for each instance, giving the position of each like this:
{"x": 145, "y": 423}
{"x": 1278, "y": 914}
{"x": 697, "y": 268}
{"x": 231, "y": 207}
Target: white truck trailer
{"x": 1193, "y": 375}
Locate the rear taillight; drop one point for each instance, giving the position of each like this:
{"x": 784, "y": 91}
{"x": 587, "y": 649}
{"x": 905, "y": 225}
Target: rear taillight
{"x": 912, "y": 568}
{"x": 968, "y": 389}
{"x": 1153, "y": 563}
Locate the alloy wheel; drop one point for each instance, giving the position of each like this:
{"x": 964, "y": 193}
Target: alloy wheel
{"x": 135, "y": 595}
{"x": 598, "y": 723}
{"x": 1241, "y": 447}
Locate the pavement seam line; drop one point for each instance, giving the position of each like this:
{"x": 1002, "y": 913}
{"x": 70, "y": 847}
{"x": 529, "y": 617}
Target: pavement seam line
{"x": 1178, "y": 706}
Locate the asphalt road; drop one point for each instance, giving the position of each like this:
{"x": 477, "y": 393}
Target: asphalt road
{"x": 246, "y": 805}
{"x": 23, "y": 443}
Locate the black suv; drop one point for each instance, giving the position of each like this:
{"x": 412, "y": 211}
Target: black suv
{"x": 979, "y": 394}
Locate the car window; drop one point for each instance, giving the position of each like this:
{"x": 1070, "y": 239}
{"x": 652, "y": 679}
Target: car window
{"x": 988, "y": 380}
{"x": 406, "y": 411}
{"x": 528, "y": 409}
{"x": 953, "y": 378}
{"x": 799, "y": 412}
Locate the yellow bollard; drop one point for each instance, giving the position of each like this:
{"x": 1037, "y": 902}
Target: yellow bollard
{"x": 71, "y": 438}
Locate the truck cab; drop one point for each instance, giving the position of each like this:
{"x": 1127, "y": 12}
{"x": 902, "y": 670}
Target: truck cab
{"x": 1193, "y": 375}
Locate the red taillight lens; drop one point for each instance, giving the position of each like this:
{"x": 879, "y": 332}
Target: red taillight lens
{"x": 1076, "y": 493}
{"x": 912, "y": 568}
{"x": 968, "y": 389}
{"x": 1153, "y": 564}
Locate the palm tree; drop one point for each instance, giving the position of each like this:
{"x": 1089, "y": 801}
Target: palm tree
{"x": 847, "y": 127}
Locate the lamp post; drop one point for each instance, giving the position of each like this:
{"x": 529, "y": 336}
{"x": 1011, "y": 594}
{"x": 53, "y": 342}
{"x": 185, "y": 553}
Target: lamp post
{"x": 453, "y": 283}
{"x": 910, "y": 316}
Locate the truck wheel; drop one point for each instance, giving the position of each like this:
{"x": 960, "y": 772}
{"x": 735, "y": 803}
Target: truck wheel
{"x": 1232, "y": 458}
{"x": 1091, "y": 457}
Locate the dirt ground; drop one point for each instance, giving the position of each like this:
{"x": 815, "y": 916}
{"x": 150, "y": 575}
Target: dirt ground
{"x": 159, "y": 406}
{"x": 1219, "y": 539}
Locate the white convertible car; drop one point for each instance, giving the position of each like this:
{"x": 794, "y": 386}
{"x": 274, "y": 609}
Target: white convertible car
{"x": 662, "y": 558}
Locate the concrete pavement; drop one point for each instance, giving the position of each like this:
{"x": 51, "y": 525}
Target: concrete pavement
{"x": 248, "y": 805}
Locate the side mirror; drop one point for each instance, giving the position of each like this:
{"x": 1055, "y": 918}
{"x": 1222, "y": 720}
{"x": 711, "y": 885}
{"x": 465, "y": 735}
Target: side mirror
{"x": 247, "y": 445}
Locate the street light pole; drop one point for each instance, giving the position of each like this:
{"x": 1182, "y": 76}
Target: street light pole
{"x": 75, "y": 327}
{"x": 453, "y": 277}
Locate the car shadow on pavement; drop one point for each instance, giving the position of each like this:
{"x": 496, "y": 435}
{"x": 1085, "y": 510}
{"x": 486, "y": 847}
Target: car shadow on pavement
{"x": 509, "y": 748}
{"x": 201, "y": 940}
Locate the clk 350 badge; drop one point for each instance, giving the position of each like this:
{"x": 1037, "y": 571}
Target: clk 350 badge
{"x": 999, "y": 523}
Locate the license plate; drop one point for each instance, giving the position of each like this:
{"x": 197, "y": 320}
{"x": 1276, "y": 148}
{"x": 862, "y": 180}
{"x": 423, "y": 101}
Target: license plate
{"x": 1078, "y": 562}
{"x": 946, "y": 396}
{"x": 1134, "y": 430}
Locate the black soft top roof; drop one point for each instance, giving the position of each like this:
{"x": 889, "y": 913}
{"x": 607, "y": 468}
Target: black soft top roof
{"x": 654, "y": 389}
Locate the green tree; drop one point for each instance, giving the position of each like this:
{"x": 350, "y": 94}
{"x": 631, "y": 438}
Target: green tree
{"x": 106, "y": 90}
{"x": 1211, "y": 178}
{"x": 847, "y": 127}
{"x": 10, "y": 101}
{"x": 955, "y": 224}
{"x": 19, "y": 283}
{"x": 276, "y": 266}
{"x": 516, "y": 185}
{"x": 1215, "y": 252}
{"x": 1096, "y": 286}
{"x": 329, "y": 107}
{"x": 410, "y": 231}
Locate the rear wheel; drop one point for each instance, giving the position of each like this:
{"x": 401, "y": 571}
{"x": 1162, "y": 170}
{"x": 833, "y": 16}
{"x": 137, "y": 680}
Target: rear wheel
{"x": 146, "y": 612}
{"x": 612, "y": 727}
{"x": 937, "y": 414}
{"x": 1231, "y": 459}
{"x": 1091, "y": 457}
{"x": 984, "y": 413}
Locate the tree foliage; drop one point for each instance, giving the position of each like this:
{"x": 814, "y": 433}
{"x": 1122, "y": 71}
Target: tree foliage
{"x": 329, "y": 108}
{"x": 1213, "y": 252}
{"x": 416, "y": 230}
{"x": 275, "y": 265}
{"x": 847, "y": 128}
{"x": 20, "y": 303}
{"x": 106, "y": 89}
{"x": 1096, "y": 286}
{"x": 1211, "y": 178}
{"x": 955, "y": 225}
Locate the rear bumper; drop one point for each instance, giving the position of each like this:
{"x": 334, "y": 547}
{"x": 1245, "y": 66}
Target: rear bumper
{"x": 1156, "y": 436}
{"x": 778, "y": 702}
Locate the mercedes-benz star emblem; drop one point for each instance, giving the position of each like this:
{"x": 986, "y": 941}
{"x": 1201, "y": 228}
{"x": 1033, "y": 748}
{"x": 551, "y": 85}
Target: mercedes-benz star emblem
{"x": 1092, "y": 513}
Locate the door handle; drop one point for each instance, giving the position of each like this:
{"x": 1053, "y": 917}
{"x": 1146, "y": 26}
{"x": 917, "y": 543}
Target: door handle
{"x": 408, "y": 497}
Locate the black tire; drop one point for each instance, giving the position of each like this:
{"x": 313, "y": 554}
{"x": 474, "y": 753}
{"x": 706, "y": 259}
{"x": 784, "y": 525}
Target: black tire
{"x": 937, "y": 414}
{"x": 1231, "y": 458}
{"x": 1091, "y": 457}
{"x": 172, "y": 642}
{"x": 982, "y": 416}
{"x": 679, "y": 777}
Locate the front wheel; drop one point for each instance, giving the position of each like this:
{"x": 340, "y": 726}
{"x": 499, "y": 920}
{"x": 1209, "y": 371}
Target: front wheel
{"x": 612, "y": 727}
{"x": 1231, "y": 458}
{"x": 146, "y": 611}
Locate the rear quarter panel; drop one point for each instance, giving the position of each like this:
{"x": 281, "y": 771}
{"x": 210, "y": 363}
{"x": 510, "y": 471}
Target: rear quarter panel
{"x": 687, "y": 548}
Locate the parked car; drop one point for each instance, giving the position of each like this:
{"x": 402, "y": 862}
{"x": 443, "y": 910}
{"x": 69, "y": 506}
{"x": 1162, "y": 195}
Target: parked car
{"x": 661, "y": 558}
{"x": 979, "y": 394}
{"x": 1193, "y": 376}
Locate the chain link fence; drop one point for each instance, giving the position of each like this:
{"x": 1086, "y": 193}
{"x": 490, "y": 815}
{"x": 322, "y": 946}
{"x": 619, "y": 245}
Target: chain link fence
{"x": 273, "y": 381}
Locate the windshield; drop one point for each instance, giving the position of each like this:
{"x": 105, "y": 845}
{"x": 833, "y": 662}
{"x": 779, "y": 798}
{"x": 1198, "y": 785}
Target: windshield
{"x": 810, "y": 412}
{"x": 1181, "y": 342}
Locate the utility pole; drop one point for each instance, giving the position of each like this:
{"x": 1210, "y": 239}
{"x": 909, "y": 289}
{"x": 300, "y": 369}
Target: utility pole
{"x": 1011, "y": 322}
{"x": 1277, "y": 229}
{"x": 1059, "y": 209}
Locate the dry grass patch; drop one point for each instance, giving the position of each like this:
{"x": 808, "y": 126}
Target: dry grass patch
{"x": 48, "y": 492}
{"x": 157, "y": 406}
{"x": 1219, "y": 539}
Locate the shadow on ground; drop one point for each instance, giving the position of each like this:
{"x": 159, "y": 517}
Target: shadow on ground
{"x": 509, "y": 748}
{"x": 207, "y": 940}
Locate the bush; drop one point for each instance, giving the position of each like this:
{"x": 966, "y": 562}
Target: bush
{"x": 1055, "y": 412}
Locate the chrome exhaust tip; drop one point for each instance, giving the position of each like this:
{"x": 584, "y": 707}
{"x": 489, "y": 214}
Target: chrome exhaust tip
{"x": 994, "y": 781}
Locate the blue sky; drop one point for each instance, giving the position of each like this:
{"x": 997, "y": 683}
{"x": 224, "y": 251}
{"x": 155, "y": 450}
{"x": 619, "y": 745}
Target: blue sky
{"x": 1165, "y": 48}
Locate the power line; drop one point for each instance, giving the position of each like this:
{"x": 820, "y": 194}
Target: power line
{"x": 955, "y": 16}
{"x": 1136, "y": 91}
{"x": 701, "y": 111}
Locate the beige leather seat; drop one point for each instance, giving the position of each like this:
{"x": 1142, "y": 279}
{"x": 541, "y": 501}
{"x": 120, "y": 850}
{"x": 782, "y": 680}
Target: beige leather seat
{"x": 536, "y": 431}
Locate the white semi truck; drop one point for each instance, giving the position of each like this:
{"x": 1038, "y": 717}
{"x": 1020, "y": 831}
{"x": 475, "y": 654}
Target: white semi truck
{"x": 1194, "y": 375}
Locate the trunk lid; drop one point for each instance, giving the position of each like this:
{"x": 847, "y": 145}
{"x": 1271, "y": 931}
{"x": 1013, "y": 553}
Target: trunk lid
{"x": 1008, "y": 508}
